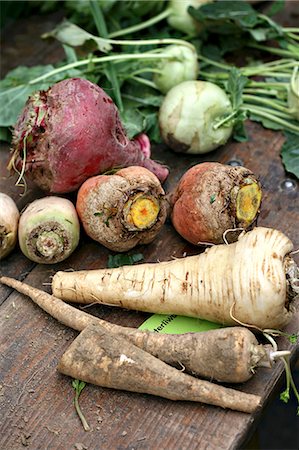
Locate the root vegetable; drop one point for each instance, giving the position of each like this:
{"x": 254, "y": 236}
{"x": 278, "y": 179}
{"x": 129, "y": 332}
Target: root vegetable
{"x": 190, "y": 117}
{"x": 122, "y": 210}
{"x": 71, "y": 132}
{"x": 225, "y": 355}
{"x": 211, "y": 198}
{"x": 252, "y": 281}
{"x": 184, "y": 66}
{"x": 100, "y": 357}
{"x": 9, "y": 219}
{"x": 49, "y": 230}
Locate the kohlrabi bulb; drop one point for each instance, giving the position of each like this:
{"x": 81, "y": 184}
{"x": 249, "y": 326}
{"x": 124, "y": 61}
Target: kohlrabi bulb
{"x": 293, "y": 94}
{"x": 190, "y": 114}
{"x": 182, "y": 67}
{"x": 180, "y": 19}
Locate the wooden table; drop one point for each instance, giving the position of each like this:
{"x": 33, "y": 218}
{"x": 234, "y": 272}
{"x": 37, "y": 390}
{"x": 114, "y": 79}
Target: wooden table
{"x": 36, "y": 401}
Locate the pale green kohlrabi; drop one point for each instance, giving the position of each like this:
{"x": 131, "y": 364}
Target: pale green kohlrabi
{"x": 179, "y": 17}
{"x": 293, "y": 93}
{"x": 182, "y": 67}
{"x": 190, "y": 117}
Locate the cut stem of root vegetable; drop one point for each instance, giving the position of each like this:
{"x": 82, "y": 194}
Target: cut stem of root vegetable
{"x": 212, "y": 198}
{"x": 225, "y": 355}
{"x": 102, "y": 358}
{"x": 9, "y": 219}
{"x": 49, "y": 230}
{"x": 124, "y": 209}
{"x": 253, "y": 281}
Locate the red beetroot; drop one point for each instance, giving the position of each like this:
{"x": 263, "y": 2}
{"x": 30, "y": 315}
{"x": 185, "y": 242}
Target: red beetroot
{"x": 73, "y": 131}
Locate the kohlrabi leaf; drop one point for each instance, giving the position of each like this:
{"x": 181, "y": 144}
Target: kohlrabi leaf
{"x": 71, "y": 34}
{"x": 235, "y": 11}
{"x": 234, "y": 87}
{"x": 5, "y": 134}
{"x": 290, "y": 153}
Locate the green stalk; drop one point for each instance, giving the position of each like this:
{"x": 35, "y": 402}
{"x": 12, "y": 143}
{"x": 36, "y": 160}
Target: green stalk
{"x": 273, "y": 50}
{"x": 140, "y": 26}
{"x": 259, "y": 91}
{"x": 267, "y": 102}
{"x": 267, "y": 115}
{"x": 143, "y": 81}
{"x": 162, "y": 41}
{"x": 102, "y": 59}
{"x": 102, "y": 30}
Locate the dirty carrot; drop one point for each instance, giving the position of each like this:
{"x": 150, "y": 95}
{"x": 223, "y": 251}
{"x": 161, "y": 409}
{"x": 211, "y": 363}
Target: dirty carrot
{"x": 252, "y": 281}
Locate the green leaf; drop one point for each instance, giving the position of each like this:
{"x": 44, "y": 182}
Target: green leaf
{"x": 267, "y": 123}
{"x": 121, "y": 259}
{"x": 17, "y": 86}
{"x": 290, "y": 153}
{"x": 71, "y": 34}
{"x": 239, "y": 12}
{"x": 78, "y": 386}
{"x": 235, "y": 85}
{"x": 5, "y": 134}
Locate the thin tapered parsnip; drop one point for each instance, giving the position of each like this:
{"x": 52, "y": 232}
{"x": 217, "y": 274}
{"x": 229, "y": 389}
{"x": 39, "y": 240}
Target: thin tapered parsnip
{"x": 100, "y": 357}
{"x": 249, "y": 281}
{"x": 225, "y": 355}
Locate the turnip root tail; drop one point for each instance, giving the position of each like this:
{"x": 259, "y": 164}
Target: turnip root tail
{"x": 100, "y": 357}
{"x": 245, "y": 281}
{"x": 225, "y": 355}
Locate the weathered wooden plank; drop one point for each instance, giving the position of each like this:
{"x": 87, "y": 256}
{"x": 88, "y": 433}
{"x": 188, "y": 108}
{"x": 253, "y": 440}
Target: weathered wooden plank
{"x": 35, "y": 400}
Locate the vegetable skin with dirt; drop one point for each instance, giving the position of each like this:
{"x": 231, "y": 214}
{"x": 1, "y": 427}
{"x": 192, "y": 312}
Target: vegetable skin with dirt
{"x": 49, "y": 230}
{"x": 253, "y": 281}
{"x": 9, "y": 220}
{"x": 225, "y": 355}
{"x": 102, "y": 358}
{"x": 212, "y": 198}
{"x": 122, "y": 210}
{"x": 71, "y": 132}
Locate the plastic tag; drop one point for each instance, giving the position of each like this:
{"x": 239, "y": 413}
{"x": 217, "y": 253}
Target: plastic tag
{"x": 173, "y": 324}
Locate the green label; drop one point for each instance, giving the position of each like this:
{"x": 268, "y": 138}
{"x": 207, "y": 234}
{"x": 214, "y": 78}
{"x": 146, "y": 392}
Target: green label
{"x": 172, "y": 324}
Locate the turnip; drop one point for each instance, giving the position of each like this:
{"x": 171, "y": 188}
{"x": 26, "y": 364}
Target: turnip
{"x": 183, "y": 67}
{"x": 293, "y": 93}
{"x": 212, "y": 198}
{"x": 9, "y": 219}
{"x": 49, "y": 230}
{"x": 70, "y": 132}
{"x": 190, "y": 117}
{"x": 176, "y": 14}
{"x": 227, "y": 354}
{"x": 123, "y": 209}
{"x": 252, "y": 281}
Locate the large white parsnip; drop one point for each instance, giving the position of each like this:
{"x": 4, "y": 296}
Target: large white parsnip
{"x": 250, "y": 280}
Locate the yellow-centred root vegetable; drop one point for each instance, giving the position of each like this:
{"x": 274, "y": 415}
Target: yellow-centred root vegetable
{"x": 253, "y": 281}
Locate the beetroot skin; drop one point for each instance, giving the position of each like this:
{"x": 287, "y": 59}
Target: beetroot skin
{"x": 71, "y": 132}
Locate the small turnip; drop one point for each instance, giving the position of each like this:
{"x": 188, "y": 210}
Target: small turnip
{"x": 211, "y": 198}
{"x": 9, "y": 219}
{"x": 183, "y": 67}
{"x": 70, "y": 132}
{"x": 49, "y": 230}
{"x": 122, "y": 210}
{"x": 190, "y": 115}
{"x": 293, "y": 94}
{"x": 180, "y": 19}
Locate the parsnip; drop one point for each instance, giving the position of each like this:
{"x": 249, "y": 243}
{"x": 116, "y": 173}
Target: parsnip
{"x": 250, "y": 281}
{"x": 101, "y": 357}
{"x": 226, "y": 354}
